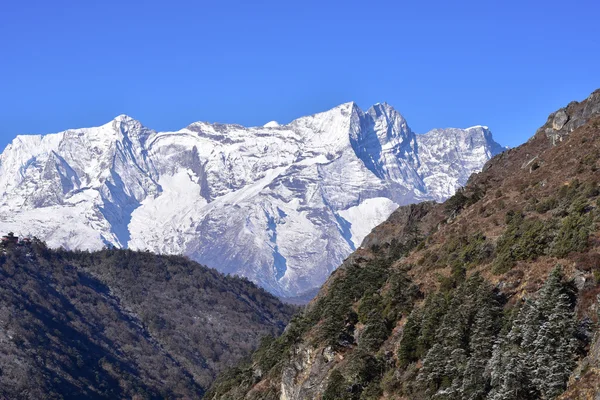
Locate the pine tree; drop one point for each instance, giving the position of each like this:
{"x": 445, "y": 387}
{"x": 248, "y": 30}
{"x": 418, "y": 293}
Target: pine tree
{"x": 513, "y": 383}
{"x": 554, "y": 349}
{"x": 475, "y": 382}
{"x": 432, "y": 372}
{"x": 541, "y": 346}
{"x": 407, "y": 353}
{"x": 495, "y": 366}
{"x": 433, "y": 312}
{"x": 528, "y": 325}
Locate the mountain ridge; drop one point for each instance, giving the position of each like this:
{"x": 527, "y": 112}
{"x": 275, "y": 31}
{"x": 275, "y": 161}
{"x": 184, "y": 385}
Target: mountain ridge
{"x": 277, "y": 191}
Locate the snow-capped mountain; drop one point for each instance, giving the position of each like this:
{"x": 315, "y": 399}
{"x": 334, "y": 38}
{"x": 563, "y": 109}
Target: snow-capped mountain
{"x": 280, "y": 204}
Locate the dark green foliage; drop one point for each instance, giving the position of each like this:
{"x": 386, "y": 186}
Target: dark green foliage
{"x": 475, "y": 383}
{"x": 379, "y": 293}
{"x": 573, "y": 235}
{"x": 334, "y": 310}
{"x": 232, "y": 382}
{"x": 375, "y": 332}
{"x": 456, "y": 203}
{"x": 398, "y": 249}
{"x": 369, "y": 307}
{"x": 546, "y": 205}
{"x": 364, "y": 284}
{"x": 337, "y": 387}
{"x": 398, "y": 298}
{"x": 462, "y": 341}
{"x": 408, "y": 350}
{"x": 533, "y": 360}
{"x": 333, "y": 319}
{"x": 569, "y": 195}
{"x": 529, "y": 238}
{"x": 511, "y": 382}
{"x": 433, "y": 311}
{"x": 590, "y": 158}
{"x": 363, "y": 367}
{"x": 538, "y": 354}
{"x": 377, "y": 328}
{"x": 373, "y": 391}
{"x": 591, "y": 189}
{"x": 466, "y": 251}
{"x": 524, "y": 239}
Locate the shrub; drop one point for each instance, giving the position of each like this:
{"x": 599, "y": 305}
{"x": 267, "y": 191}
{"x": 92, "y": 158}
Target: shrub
{"x": 337, "y": 387}
{"x": 524, "y": 239}
{"x": 572, "y": 236}
{"x": 399, "y": 297}
{"x": 544, "y": 206}
{"x": 456, "y": 203}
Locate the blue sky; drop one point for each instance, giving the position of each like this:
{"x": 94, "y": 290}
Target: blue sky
{"x": 505, "y": 64}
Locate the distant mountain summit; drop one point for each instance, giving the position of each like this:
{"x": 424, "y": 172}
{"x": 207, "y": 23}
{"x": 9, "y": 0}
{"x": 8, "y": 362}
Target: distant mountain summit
{"x": 280, "y": 204}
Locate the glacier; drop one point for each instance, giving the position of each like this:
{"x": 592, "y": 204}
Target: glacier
{"x": 282, "y": 205}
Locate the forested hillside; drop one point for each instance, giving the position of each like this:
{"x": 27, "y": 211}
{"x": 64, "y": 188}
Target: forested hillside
{"x": 490, "y": 295}
{"x": 122, "y": 324}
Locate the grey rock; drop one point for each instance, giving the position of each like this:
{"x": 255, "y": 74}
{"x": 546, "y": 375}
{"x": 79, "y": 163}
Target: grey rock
{"x": 560, "y": 119}
{"x": 328, "y": 354}
{"x": 567, "y": 119}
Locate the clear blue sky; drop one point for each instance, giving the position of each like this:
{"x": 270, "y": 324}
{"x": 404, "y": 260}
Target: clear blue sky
{"x": 506, "y": 64}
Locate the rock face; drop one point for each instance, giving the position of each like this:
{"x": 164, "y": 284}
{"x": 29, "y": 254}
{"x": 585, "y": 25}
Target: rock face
{"x": 280, "y": 204}
{"x": 571, "y": 117}
{"x": 304, "y": 377}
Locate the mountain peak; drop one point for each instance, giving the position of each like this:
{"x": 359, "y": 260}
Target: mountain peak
{"x": 271, "y": 124}
{"x": 385, "y": 104}
{"x": 124, "y": 118}
{"x": 477, "y": 127}
{"x": 379, "y": 109}
{"x": 348, "y": 106}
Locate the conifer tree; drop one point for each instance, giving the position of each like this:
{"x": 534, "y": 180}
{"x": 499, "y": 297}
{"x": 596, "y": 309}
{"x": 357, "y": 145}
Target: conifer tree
{"x": 554, "y": 350}
{"x": 407, "y": 353}
{"x": 475, "y": 382}
{"x": 433, "y": 312}
{"x": 433, "y": 370}
{"x": 541, "y": 346}
{"x": 513, "y": 383}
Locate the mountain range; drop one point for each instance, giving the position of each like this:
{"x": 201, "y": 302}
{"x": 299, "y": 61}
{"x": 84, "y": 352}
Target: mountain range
{"x": 282, "y": 205}
{"x": 492, "y": 295}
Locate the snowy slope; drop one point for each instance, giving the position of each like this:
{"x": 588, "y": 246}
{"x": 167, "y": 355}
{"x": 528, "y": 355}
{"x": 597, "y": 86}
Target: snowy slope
{"x": 280, "y": 204}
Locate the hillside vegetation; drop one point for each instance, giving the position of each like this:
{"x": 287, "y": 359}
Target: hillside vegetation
{"x": 122, "y": 324}
{"x": 491, "y": 295}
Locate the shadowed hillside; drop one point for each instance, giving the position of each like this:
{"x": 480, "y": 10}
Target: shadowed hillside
{"x": 122, "y": 324}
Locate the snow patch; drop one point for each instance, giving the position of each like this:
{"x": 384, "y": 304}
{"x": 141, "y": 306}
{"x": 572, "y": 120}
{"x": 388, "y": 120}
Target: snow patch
{"x": 272, "y": 124}
{"x": 366, "y": 216}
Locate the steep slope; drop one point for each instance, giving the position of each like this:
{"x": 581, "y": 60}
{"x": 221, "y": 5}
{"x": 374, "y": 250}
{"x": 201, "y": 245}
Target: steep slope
{"x": 491, "y": 295}
{"x": 122, "y": 324}
{"x": 282, "y": 205}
